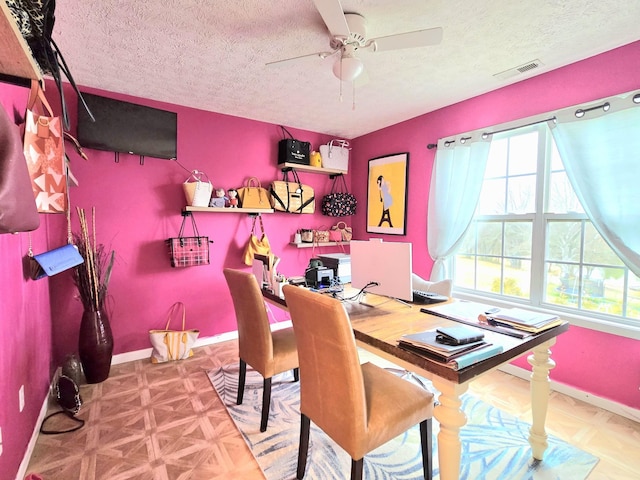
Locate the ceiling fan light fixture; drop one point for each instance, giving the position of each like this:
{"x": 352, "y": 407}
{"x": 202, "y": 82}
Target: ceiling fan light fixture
{"x": 348, "y": 68}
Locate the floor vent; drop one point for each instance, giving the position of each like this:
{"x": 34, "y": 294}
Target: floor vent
{"x": 527, "y": 67}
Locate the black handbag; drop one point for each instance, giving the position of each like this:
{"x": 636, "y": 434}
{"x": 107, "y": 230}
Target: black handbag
{"x": 291, "y": 150}
{"x": 339, "y": 203}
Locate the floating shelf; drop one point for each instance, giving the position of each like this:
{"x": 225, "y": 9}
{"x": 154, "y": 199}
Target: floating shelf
{"x": 15, "y": 55}
{"x": 323, "y": 244}
{"x": 310, "y": 169}
{"x": 190, "y": 208}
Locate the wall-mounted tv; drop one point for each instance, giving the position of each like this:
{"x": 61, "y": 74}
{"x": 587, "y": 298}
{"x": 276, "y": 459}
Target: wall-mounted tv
{"x": 125, "y": 127}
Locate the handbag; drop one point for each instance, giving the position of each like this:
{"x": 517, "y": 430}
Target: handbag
{"x": 335, "y": 155}
{"x": 68, "y": 397}
{"x": 321, "y": 236}
{"x": 35, "y": 20}
{"x": 173, "y": 344}
{"x": 56, "y": 261}
{"x": 339, "y": 202}
{"x": 197, "y": 189}
{"x": 257, "y": 246}
{"x": 292, "y": 197}
{"x": 342, "y": 230}
{"x": 291, "y": 150}
{"x": 306, "y": 235}
{"x": 44, "y": 153}
{"x": 18, "y": 212}
{"x": 252, "y": 195}
{"x": 188, "y": 251}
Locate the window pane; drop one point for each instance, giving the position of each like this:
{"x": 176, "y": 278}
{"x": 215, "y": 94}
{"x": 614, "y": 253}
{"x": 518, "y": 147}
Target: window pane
{"x": 522, "y": 194}
{"x": 596, "y": 250}
{"x": 490, "y": 238}
{"x": 497, "y": 160}
{"x": 492, "y": 197}
{"x": 523, "y": 154}
{"x": 562, "y": 198}
{"x": 517, "y": 278}
{"x": 517, "y": 239}
{"x": 633, "y": 297}
{"x": 489, "y": 274}
{"x": 564, "y": 241}
{"x": 465, "y": 271}
{"x": 562, "y": 284}
{"x": 468, "y": 245}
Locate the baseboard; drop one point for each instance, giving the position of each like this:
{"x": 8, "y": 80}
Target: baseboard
{"x": 603, "y": 403}
{"x": 24, "y": 465}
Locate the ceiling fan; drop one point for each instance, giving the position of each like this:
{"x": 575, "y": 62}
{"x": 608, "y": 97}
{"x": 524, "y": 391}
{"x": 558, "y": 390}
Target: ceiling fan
{"x": 348, "y": 35}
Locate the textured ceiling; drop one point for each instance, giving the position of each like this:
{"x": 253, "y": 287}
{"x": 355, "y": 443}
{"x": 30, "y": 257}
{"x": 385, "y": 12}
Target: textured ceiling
{"x": 211, "y": 54}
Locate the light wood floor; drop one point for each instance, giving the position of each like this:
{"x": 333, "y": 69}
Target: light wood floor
{"x": 165, "y": 422}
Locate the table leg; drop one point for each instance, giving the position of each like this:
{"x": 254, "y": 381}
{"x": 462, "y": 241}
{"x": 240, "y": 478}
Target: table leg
{"x": 451, "y": 418}
{"x": 540, "y": 388}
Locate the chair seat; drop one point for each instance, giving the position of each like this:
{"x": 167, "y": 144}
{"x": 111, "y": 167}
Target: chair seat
{"x": 285, "y": 353}
{"x": 395, "y": 405}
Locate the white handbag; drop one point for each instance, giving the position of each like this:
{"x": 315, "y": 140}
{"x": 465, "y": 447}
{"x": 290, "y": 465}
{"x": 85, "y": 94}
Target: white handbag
{"x": 172, "y": 344}
{"x": 335, "y": 155}
{"x": 197, "y": 189}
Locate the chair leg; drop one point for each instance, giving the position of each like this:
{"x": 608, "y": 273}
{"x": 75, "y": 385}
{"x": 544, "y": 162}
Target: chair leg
{"x": 303, "y": 449}
{"x": 426, "y": 439}
{"x": 241, "y": 380}
{"x": 356, "y": 469}
{"x": 296, "y": 374}
{"x": 266, "y": 402}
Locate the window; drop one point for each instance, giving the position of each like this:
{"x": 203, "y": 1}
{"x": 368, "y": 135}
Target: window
{"x": 531, "y": 242}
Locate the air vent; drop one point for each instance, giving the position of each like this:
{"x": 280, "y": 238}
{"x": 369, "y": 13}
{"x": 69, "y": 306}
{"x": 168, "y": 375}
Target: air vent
{"x": 527, "y": 67}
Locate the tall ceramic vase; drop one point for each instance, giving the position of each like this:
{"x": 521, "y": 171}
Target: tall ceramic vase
{"x": 95, "y": 345}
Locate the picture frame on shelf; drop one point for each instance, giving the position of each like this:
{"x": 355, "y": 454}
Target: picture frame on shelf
{"x": 387, "y": 193}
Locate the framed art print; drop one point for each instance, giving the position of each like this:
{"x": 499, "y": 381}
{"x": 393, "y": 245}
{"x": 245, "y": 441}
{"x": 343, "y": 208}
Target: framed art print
{"x": 387, "y": 194}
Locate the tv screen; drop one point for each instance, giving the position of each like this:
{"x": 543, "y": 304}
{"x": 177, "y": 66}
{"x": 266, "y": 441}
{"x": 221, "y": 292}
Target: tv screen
{"x": 127, "y": 128}
{"x": 389, "y": 264}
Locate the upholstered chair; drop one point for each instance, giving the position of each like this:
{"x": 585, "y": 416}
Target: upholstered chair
{"x": 443, "y": 287}
{"x": 360, "y": 407}
{"x": 267, "y": 352}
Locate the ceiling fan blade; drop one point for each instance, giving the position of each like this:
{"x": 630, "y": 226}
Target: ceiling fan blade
{"x": 419, "y": 38}
{"x": 317, "y": 54}
{"x": 333, "y": 16}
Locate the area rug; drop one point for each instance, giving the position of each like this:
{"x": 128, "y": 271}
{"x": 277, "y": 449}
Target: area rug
{"x": 494, "y": 444}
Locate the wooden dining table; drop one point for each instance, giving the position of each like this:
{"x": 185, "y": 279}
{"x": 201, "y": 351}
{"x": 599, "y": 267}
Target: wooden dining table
{"x": 379, "y": 322}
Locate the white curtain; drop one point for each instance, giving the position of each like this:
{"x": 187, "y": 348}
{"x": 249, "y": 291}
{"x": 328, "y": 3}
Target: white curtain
{"x": 456, "y": 182}
{"x": 601, "y": 154}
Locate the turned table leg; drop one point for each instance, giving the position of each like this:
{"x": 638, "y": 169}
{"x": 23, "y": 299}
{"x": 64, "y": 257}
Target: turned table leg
{"x": 540, "y": 388}
{"x": 451, "y": 418}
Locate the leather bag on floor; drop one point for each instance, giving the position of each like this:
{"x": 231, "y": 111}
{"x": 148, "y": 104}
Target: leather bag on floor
{"x": 173, "y": 344}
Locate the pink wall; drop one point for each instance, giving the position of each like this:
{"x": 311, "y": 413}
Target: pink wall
{"x": 137, "y": 207}
{"x": 586, "y": 359}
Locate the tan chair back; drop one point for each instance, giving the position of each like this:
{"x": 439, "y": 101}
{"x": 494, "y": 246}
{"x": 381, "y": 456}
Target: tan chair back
{"x": 255, "y": 344}
{"x": 331, "y": 382}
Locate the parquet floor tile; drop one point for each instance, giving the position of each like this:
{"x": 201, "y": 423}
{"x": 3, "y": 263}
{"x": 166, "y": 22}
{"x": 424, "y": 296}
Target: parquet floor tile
{"x": 165, "y": 422}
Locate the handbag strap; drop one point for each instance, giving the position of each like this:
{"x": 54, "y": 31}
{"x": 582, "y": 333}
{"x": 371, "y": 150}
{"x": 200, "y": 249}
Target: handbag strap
{"x": 253, "y": 226}
{"x": 37, "y": 98}
{"x": 286, "y": 132}
{"x": 193, "y": 223}
{"x": 171, "y": 314}
{"x": 253, "y": 182}
{"x": 339, "y": 185}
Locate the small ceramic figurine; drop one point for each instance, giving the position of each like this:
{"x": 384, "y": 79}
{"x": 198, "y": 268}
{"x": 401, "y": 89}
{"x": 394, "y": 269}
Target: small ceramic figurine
{"x": 219, "y": 200}
{"x": 233, "y": 198}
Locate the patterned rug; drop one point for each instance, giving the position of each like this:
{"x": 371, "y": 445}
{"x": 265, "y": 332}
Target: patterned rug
{"x": 494, "y": 444}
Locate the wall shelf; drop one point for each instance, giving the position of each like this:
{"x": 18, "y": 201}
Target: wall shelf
{"x": 310, "y": 169}
{"x": 323, "y": 244}
{"x": 190, "y": 208}
{"x": 16, "y": 59}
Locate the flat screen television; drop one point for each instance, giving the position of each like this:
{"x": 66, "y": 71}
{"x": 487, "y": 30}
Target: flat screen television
{"x": 389, "y": 264}
{"x": 126, "y": 127}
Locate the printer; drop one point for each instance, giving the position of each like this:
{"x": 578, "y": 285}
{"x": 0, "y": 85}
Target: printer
{"x": 317, "y": 275}
{"x": 340, "y": 263}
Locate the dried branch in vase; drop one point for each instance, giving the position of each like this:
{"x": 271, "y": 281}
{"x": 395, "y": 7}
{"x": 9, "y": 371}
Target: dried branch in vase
{"x": 92, "y": 276}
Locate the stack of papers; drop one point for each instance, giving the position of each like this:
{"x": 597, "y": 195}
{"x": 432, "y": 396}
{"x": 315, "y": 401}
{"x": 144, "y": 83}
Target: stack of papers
{"x": 454, "y": 356}
{"x": 527, "y": 320}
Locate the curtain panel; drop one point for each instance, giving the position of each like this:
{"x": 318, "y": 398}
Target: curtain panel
{"x": 456, "y": 183}
{"x": 600, "y": 148}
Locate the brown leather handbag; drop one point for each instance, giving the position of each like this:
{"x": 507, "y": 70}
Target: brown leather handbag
{"x": 18, "y": 212}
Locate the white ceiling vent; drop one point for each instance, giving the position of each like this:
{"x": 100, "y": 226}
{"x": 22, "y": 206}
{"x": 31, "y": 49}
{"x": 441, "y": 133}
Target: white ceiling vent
{"x": 527, "y": 67}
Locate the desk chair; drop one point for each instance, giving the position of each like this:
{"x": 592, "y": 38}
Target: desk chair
{"x": 359, "y": 406}
{"x": 443, "y": 287}
{"x": 267, "y": 352}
